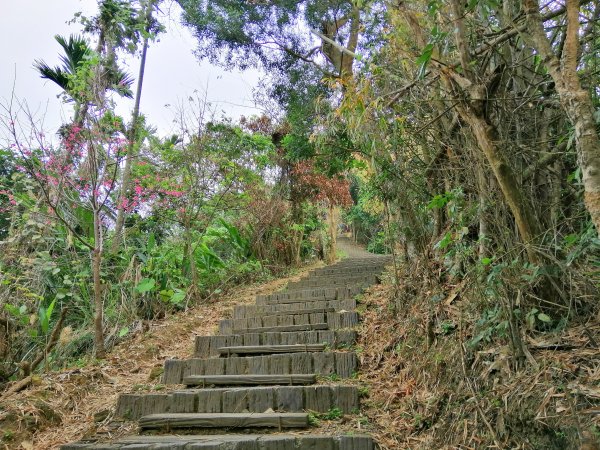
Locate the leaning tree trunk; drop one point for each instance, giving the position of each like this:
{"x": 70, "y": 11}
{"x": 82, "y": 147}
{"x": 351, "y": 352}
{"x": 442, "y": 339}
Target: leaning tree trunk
{"x": 574, "y": 99}
{"x": 474, "y": 93}
{"x": 486, "y": 137}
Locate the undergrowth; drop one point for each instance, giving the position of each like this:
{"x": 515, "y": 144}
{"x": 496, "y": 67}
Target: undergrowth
{"x": 444, "y": 372}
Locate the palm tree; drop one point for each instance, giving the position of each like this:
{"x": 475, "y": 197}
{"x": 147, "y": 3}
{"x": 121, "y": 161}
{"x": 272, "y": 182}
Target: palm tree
{"x": 76, "y": 53}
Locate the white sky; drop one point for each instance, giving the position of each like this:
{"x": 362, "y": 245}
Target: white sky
{"x": 27, "y": 29}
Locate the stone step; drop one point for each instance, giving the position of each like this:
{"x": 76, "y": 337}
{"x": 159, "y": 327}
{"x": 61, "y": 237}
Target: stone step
{"x": 282, "y": 328}
{"x": 319, "y": 398}
{"x": 333, "y": 281}
{"x": 351, "y": 270}
{"x": 285, "y": 312}
{"x": 332, "y": 321}
{"x": 231, "y": 442}
{"x": 224, "y": 420}
{"x": 343, "y": 364}
{"x": 348, "y": 273}
{"x": 359, "y": 262}
{"x": 270, "y": 349}
{"x": 246, "y": 311}
{"x": 250, "y": 380}
{"x": 309, "y": 295}
{"x": 208, "y": 346}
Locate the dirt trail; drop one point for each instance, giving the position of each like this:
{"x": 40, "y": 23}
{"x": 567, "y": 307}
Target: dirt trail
{"x": 351, "y": 250}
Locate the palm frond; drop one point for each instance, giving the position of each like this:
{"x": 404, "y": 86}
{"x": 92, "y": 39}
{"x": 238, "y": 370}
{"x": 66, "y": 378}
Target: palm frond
{"x": 56, "y": 74}
{"x": 121, "y": 82}
{"x": 76, "y": 51}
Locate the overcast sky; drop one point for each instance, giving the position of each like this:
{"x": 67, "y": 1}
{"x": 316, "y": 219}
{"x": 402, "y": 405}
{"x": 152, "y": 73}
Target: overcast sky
{"x": 27, "y": 29}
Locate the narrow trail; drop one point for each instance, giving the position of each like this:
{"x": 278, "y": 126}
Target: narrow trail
{"x": 351, "y": 251}
{"x": 274, "y": 368}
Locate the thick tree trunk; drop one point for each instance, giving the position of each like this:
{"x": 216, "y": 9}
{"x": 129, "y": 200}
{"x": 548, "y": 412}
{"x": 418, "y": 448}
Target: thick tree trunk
{"x": 342, "y": 61}
{"x": 575, "y": 100}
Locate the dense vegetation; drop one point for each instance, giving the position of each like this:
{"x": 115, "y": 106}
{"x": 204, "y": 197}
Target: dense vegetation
{"x": 461, "y": 136}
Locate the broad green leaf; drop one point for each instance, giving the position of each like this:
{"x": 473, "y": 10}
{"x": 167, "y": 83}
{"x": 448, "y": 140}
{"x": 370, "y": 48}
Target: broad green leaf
{"x": 444, "y": 242}
{"x": 146, "y": 285}
{"x": 544, "y": 318}
{"x": 178, "y": 297}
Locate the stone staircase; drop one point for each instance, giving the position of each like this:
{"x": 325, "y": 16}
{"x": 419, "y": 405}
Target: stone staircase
{"x": 261, "y": 374}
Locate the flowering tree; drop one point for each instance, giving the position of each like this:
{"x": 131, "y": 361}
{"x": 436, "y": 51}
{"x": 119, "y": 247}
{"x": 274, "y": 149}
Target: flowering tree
{"x": 74, "y": 176}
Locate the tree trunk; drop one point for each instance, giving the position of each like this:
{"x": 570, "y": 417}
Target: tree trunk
{"x": 133, "y": 130}
{"x": 342, "y": 60}
{"x": 332, "y": 234}
{"x": 98, "y": 306}
{"x": 188, "y": 251}
{"x": 486, "y": 136}
{"x": 575, "y": 100}
{"x": 297, "y": 234}
{"x": 473, "y": 111}
{"x": 482, "y": 186}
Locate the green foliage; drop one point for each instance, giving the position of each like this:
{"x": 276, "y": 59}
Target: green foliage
{"x": 332, "y": 414}
{"x": 491, "y": 324}
{"x": 146, "y": 285}
{"x": 76, "y": 74}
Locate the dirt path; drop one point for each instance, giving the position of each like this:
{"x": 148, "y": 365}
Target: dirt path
{"x": 350, "y": 249}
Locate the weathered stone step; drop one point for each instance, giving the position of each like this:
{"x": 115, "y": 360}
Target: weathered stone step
{"x": 345, "y": 275}
{"x": 245, "y": 311}
{"x": 343, "y": 364}
{"x": 287, "y": 312}
{"x": 309, "y": 295}
{"x": 282, "y": 328}
{"x": 208, "y": 346}
{"x": 333, "y": 281}
{"x": 319, "y": 398}
{"x": 232, "y": 442}
{"x": 224, "y": 420}
{"x": 270, "y": 349}
{"x": 332, "y": 321}
{"x": 250, "y": 380}
{"x": 349, "y": 270}
{"x": 372, "y": 259}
